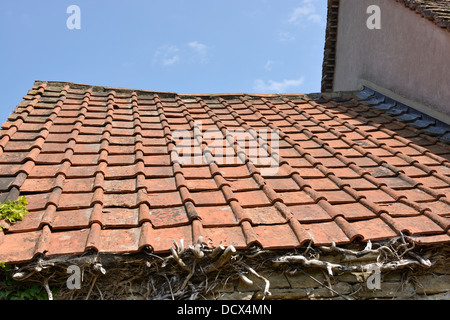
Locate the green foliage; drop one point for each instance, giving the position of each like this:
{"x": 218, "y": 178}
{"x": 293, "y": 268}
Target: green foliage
{"x": 11, "y": 289}
{"x": 13, "y": 211}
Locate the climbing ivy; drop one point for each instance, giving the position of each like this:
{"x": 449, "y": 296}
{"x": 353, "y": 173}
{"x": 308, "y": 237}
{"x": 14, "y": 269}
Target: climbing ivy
{"x": 11, "y": 289}
{"x": 13, "y": 211}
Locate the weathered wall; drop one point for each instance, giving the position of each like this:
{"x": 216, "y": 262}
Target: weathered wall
{"x": 409, "y": 55}
{"x": 406, "y": 271}
{"x": 406, "y": 284}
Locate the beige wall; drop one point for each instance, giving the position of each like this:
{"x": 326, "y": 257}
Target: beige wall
{"x": 409, "y": 55}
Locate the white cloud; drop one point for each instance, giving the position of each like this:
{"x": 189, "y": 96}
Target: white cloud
{"x": 200, "y": 49}
{"x": 268, "y": 65}
{"x": 167, "y": 55}
{"x": 277, "y": 86}
{"x": 286, "y": 36}
{"x": 307, "y": 11}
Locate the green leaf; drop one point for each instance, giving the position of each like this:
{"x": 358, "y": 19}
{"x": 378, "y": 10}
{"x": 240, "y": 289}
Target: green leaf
{"x": 13, "y": 211}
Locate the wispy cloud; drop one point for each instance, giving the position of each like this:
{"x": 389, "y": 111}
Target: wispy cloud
{"x": 306, "y": 12}
{"x": 269, "y": 64}
{"x": 286, "y": 36}
{"x": 167, "y": 55}
{"x": 200, "y": 49}
{"x": 272, "y": 86}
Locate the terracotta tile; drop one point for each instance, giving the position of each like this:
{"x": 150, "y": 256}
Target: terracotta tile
{"x": 84, "y": 159}
{"x": 279, "y": 236}
{"x": 125, "y": 200}
{"x": 169, "y": 217}
{"x": 339, "y": 196}
{"x": 120, "y": 217}
{"x": 310, "y": 172}
{"x": 18, "y": 146}
{"x": 75, "y": 200}
{"x": 81, "y": 171}
{"x": 322, "y": 184}
{"x": 37, "y": 201}
{"x": 399, "y": 209}
{"x": 120, "y": 172}
{"x": 235, "y": 172}
{"x": 30, "y": 222}
{"x": 417, "y": 195}
{"x": 309, "y": 213}
{"x": 325, "y": 233}
{"x": 197, "y": 172}
{"x": 226, "y": 236}
{"x": 49, "y": 158}
{"x": 431, "y": 182}
{"x": 206, "y": 198}
{"x": 286, "y": 184}
{"x": 354, "y": 211}
{"x": 19, "y": 247}
{"x": 38, "y": 185}
{"x": 161, "y": 160}
{"x": 395, "y": 161}
{"x": 373, "y": 229}
{"x": 158, "y": 172}
{"x": 71, "y": 219}
{"x": 332, "y": 163}
{"x": 252, "y": 198}
{"x": 123, "y": 159}
{"x": 298, "y": 162}
{"x": 6, "y": 182}
{"x": 217, "y": 216}
{"x": 264, "y": 215}
{"x": 243, "y": 184}
{"x": 438, "y": 207}
{"x": 160, "y": 184}
{"x": 381, "y": 172}
{"x": 418, "y": 225}
{"x": 428, "y": 161}
{"x": 430, "y": 240}
{"x": 114, "y": 140}
{"x": 119, "y": 240}
{"x": 364, "y": 162}
{"x": 345, "y": 173}
{"x": 414, "y": 172}
{"x": 68, "y": 242}
{"x": 163, "y": 238}
{"x": 54, "y": 147}
{"x": 13, "y": 157}
{"x": 164, "y": 200}
{"x": 296, "y": 197}
{"x": 155, "y": 150}
{"x": 9, "y": 169}
{"x": 44, "y": 171}
{"x": 78, "y": 185}
{"x": 118, "y": 150}
{"x": 360, "y": 184}
{"x": 395, "y": 183}
{"x": 117, "y": 186}
{"x": 377, "y": 196}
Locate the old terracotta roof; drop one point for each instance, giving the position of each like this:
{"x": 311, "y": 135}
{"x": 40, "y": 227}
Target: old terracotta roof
{"x": 437, "y": 11}
{"x": 107, "y": 169}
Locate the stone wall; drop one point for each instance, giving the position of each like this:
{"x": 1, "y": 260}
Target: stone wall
{"x": 400, "y": 284}
{"x": 405, "y": 283}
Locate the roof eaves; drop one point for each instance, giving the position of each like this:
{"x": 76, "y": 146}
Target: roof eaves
{"x": 329, "y": 59}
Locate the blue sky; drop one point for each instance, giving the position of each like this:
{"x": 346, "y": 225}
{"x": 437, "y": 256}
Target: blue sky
{"x": 184, "y": 46}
